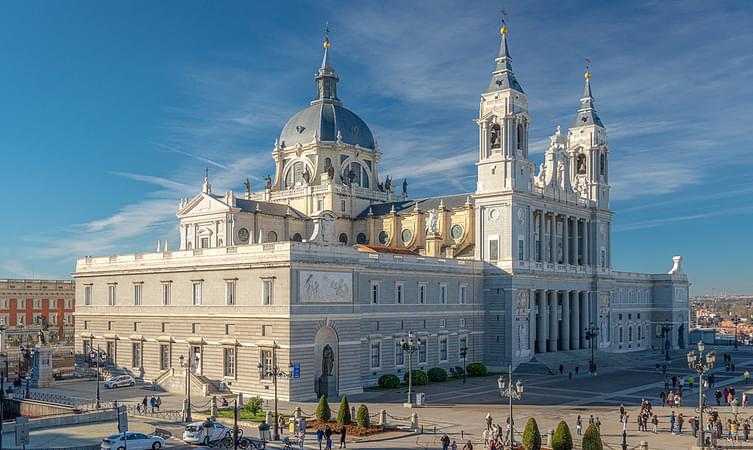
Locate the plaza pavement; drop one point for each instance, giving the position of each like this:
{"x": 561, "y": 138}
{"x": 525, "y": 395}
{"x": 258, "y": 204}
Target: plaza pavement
{"x": 458, "y": 409}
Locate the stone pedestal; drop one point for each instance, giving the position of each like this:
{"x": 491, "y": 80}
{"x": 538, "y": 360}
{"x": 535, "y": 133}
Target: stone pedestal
{"x": 433, "y": 245}
{"x": 326, "y": 386}
{"x": 42, "y": 374}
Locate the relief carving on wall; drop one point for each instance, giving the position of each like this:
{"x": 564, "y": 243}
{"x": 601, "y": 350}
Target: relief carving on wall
{"x": 523, "y": 336}
{"x": 326, "y": 287}
{"x": 521, "y": 304}
{"x": 604, "y": 300}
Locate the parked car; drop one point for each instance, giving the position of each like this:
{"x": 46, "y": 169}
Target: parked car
{"x": 133, "y": 441}
{"x": 120, "y": 381}
{"x": 204, "y": 432}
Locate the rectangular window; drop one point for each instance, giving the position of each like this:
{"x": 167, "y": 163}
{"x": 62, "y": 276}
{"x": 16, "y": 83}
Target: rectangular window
{"x": 443, "y": 294}
{"x": 166, "y": 293}
{"x": 164, "y": 356}
{"x": 399, "y": 354}
{"x": 137, "y": 294}
{"x": 399, "y": 293}
{"x": 462, "y": 295}
{"x": 342, "y": 205}
{"x": 136, "y": 354}
{"x": 86, "y": 324}
{"x": 442, "y": 323}
{"x": 195, "y": 328}
{"x": 265, "y": 359}
{"x": 267, "y": 291}
{"x": 462, "y": 344}
{"x": 52, "y": 304}
{"x": 53, "y": 319}
{"x": 266, "y": 330}
{"x": 421, "y": 293}
{"x": 374, "y": 292}
{"x": 230, "y": 292}
{"x": 69, "y": 304}
{"x": 228, "y": 361}
{"x": 521, "y": 247}
{"x": 229, "y": 329}
{"x": 136, "y": 326}
{"x": 111, "y": 291}
{"x": 319, "y": 204}
{"x": 493, "y": 249}
{"x": 603, "y": 258}
{"x": 376, "y": 354}
{"x": 422, "y": 345}
{"x": 205, "y": 242}
{"x": 197, "y": 293}
{"x": 442, "y": 348}
{"x": 88, "y": 295}
{"x": 37, "y": 303}
{"x": 461, "y": 323}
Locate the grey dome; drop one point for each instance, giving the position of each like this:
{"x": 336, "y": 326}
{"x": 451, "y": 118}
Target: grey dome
{"x": 324, "y": 119}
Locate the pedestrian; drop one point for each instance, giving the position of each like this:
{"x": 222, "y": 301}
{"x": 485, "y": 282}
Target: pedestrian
{"x": 591, "y": 420}
{"x": 624, "y": 422}
{"x": 138, "y": 408}
{"x": 680, "y": 422}
{"x": 725, "y": 394}
{"x": 468, "y": 446}
{"x": 570, "y": 375}
{"x": 281, "y": 423}
{"x": 746, "y": 375}
{"x": 655, "y": 422}
{"x": 143, "y": 404}
{"x": 578, "y": 425}
{"x": 672, "y": 420}
{"x": 454, "y": 445}
{"x": 598, "y": 424}
{"x": 159, "y": 402}
{"x": 445, "y": 440}
{"x": 746, "y": 430}
{"x": 622, "y": 411}
{"x": 745, "y": 400}
{"x": 328, "y": 437}
{"x": 489, "y": 421}
{"x": 577, "y": 368}
{"x": 693, "y": 426}
{"x": 343, "y": 431}
{"x": 718, "y": 396}
{"x": 691, "y": 380}
{"x": 319, "y": 437}
{"x": 662, "y": 397}
{"x": 562, "y": 369}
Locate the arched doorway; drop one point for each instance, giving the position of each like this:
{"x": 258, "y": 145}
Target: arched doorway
{"x": 326, "y": 362}
{"x": 681, "y": 336}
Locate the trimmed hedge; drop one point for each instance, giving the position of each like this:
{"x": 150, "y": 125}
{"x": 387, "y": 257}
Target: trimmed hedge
{"x": 531, "y": 435}
{"x": 562, "y": 439}
{"x": 343, "y": 414}
{"x": 323, "y": 413}
{"x": 592, "y": 439}
{"x": 362, "y": 416}
{"x": 389, "y": 381}
{"x": 437, "y": 374}
{"x": 419, "y": 377}
{"x": 477, "y": 370}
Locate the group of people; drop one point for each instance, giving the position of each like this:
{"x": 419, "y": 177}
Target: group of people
{"x": 453, "y": 445}
{"x": 155, "y": 401}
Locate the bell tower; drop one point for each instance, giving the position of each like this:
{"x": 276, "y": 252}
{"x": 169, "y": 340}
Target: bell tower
{"x": 503, "y": 130}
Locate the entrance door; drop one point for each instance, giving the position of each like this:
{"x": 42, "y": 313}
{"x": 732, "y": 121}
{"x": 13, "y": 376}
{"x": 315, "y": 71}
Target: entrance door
{"x": 196, "y": 358}
{"x": 87, "y": 349}
{"x": 111, "y": 358}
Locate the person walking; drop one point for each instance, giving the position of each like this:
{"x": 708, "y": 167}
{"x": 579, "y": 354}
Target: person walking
{"x": 445, "y": 440}
{"x": 680, "y": 422}
{"x": 468, "y": 446}
{"x": 562, "y": 369}
{"x": 746, "y": 430}
{"x": 655, "y": 423}
{"x": 691, "y": 380}
{"x": 578, "y": 425}
{"x": 489, "y": 420}
{"x": 143, "y": 404}
{"x": 624, "y": 420}
{"x": 746, "y": 375}
{"x": 343, "y": 432}
{"x": 672, "y": 420}
{"x": 328, "y": 438}
{"x": 693, "y": 425}
{"x": 662, "y": 397}
{"x": 718, "y": 396}
{"x": 159, "y": 402}
{"x": 598, "y": 424}
{"x": 454, "y": 445}
{"x": 281, "y": 423}
{"x": 301, "y": 438}
{"x": 153, "y": 403}
{"x": 319, "y": 437}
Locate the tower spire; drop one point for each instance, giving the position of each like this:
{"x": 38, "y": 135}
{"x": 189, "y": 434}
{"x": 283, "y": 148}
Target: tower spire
{"x": 587, "y": 112}
{"x": 206, "y": 187}
{"x": 326, "y": 78}
{"x": 503, "y": 76}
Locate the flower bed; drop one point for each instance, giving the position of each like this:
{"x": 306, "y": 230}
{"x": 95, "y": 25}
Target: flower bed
{"x": 352, "y": 430}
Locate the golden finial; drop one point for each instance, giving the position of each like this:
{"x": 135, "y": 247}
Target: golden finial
{"x": 503, "y": 30}
{"x": 326, "y": 43}
{"x": 587, "y": 75}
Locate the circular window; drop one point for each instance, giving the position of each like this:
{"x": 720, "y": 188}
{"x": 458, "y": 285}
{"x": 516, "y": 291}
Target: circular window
{"x": 296, "y": 237}
{"x": 456, "y": 232}
{"x": 494, "y": 214}
{"x": 243, "y": 235}
{"x": 343, "y": 238}
{"x": 407, "y": 236}
{"x": 271, "y": 236}
{"x": 361, "y": 239}
{"x": 383, "y": 237}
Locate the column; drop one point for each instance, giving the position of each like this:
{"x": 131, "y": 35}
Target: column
{"x": 576, "y": 251}
{"x": 565, "y": 241}
{"x": 565, "y": 320}
{"x": 575, "y": 324}
{"x": 586, "y": 239}
{"x": 553, "y": 240}
{"x": 531, "y": 237}
{"x": 542, "y": 227}
{"x": 553, "y": 324}
{"x": 583, "y": 318}
{"x": 541, "y": 322}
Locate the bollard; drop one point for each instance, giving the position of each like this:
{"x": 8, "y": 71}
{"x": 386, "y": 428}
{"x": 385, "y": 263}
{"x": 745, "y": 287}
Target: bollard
{"x": 435, "y": 429}
{"x": 644, "y": 445}
{"x": 298, "y": 413}
{"x": 269, "y": 418}
{"x": 549, "y": 437}
{"x": 462, "y": 434}
{"x": 353, "y": 413}
{"x": 414, "y": 422}
{"x": 383, "y": 417}
{"x": 214, "y": 406}
{"x": 422, "y": 429}
{"x": 240, "y": 399}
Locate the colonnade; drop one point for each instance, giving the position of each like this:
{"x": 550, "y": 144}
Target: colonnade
{"x": 560, "y": 238}
{"x": 560, "y": 320}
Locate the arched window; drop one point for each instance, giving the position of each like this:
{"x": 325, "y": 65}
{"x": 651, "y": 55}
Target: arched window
{"x": 496, "y": 136}
{"x": 296, "y": 237}
{"x": 630, "y": 334}
{"x": 620, "y": 334}
{"x": 294, "y": 175}
{"x": 356, "y": 175}
{"x": 361, "y": 239}
{"x": 521, "y": 135}
{"x": 602, "y": 164}
{"x": 271, "y": 236}
{"x": 343, "y": 238}
{"x": 581, "y": 164}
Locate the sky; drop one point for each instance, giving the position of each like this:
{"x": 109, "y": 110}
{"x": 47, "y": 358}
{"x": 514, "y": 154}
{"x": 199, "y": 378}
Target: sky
{"x": 110, "y": 112}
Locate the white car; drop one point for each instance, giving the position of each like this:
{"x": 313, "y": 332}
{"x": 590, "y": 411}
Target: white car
{"x": 133, "y": 441}
{"x": 121, "y": 381}
{"x": 196, "y": 433}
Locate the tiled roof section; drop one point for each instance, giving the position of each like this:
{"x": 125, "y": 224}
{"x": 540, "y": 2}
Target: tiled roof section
{"x": 380, "y": 249}
{"x": 272, "y": 209}
{"x": 424, "y": 204}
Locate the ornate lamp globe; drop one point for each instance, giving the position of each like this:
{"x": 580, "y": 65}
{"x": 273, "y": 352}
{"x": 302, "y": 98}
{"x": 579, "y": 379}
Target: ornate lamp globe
{"x": 701, "y": 346}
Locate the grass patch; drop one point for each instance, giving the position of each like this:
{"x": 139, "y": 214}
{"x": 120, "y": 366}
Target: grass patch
{"x": 242, "y": 415}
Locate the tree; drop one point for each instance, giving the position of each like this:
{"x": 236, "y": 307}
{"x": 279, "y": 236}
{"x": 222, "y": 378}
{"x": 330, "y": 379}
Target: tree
{"x": 323, "y": 413}
{"x": 343, "y": 414}
{"x": 362, "y": 416}
{"x": 562, "y": 439}
{"x": 531, "y": 435}
{"x": 592, "y": 439}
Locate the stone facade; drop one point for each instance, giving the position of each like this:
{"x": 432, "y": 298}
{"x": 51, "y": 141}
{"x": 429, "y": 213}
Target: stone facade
{"x": 271, "y": 278}
{"x": 23, "y": 303}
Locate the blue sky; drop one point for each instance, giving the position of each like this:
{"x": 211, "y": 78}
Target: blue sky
{"x": 109, "y": 112}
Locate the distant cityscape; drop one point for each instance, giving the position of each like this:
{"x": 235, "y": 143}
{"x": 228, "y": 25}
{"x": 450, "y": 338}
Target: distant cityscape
{"x": 729, "y": 314}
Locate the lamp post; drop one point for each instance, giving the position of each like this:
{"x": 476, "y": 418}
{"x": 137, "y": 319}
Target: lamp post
{"x": 511, "y": 391}
{"x": 701, "y": 365}
{"x": 592, "y": 332}
{"x": 464, "y": 355}
{"x": 97, "y": 356}
{"x": 274, "y": 372}
{"x": 666, "y": 328}
{"x": 408, "y": 344}
{"x": 3, "y": 376}
{"x": 189, "y": 365}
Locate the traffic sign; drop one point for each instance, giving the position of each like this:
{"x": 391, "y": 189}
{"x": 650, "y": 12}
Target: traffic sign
{"x": 296, "y": 371}
{"x": 122, "y": 419}
{"x": 22, "y": 430}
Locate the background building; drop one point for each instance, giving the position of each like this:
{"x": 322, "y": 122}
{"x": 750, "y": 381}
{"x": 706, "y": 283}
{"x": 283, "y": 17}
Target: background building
{"x": 23, "y": 304}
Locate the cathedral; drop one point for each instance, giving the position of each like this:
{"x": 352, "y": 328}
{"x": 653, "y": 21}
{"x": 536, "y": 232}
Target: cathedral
{"x": 325, "y": 272}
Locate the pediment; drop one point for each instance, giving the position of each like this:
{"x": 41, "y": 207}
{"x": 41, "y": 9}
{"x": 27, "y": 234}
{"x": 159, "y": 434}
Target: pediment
{"x": 203, "y": 204}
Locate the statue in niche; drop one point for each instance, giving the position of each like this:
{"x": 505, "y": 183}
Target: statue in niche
{"x": 561, "y": 174}
{"x": 388, "y": 184}
{"x": 328, "y": 360}
{"x": 541, "y": 178}
{"x": 494, "y": 136}
{"x": 307, "y": 176}
{"x": 523, "y": 336}
{"x": 351, "y": 177}
{"x": 267, "y": 182}
{"x": 433, "y": 221}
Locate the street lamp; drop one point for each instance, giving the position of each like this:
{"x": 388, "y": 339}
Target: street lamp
{"x": 511, "y": 391}
{"x": 592, "y": 332}
{"x": 666, "y": 327}
{"x": 275, "y": 372}
{"x": 464, "y": 355}
{"x": 97, "y": 356}
{"x": 3, "y": 376}
{"x": 189, "y": 365}
{"x": 408, "y": 344}
{"x": 697, "y": 363}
